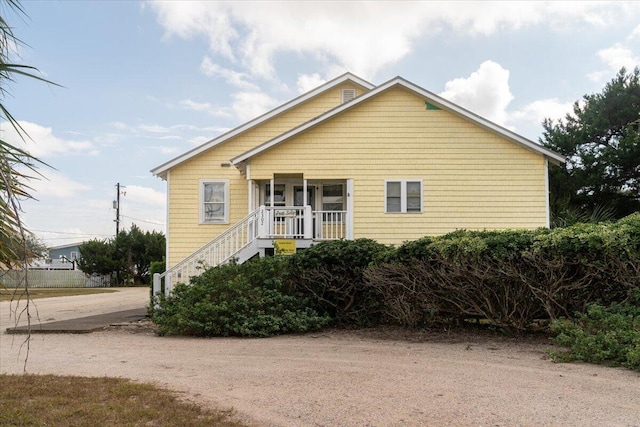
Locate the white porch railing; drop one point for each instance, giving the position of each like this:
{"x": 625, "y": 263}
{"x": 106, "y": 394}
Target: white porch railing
{"x": 330, "y": 225}
{"x": 288, "y": 222}
{"x": 266, "y": 222}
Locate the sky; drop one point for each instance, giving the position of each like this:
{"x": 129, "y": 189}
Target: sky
{"x": 143, "y": 82}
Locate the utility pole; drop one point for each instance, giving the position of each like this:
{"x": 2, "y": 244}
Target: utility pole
{"x": 116, "y": 206}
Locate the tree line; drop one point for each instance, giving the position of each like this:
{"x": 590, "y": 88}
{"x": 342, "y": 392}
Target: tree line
{"x": 601, "y": 139}
{"x": 127, "y": 258}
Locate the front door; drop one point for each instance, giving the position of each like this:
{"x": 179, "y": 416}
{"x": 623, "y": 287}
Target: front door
{"x": 298, "y": 196}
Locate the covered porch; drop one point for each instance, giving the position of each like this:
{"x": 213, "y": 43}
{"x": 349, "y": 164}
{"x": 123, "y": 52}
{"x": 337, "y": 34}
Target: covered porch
{"x": 284, "y": 209}
{"x": 292, "y": 207}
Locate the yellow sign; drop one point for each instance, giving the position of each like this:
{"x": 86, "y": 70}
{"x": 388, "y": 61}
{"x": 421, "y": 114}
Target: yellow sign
{"x": 284, "y": 246}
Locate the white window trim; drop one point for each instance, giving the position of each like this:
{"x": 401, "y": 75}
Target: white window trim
{"x": 403, "y": 196}
{"x": 225, "y": 220}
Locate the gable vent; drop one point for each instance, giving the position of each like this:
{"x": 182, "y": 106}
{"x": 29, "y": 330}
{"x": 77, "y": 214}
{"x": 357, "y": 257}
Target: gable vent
{"x": 348, "y": 95}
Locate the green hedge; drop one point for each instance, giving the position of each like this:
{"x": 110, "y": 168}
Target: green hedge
{"x": 331, "y": 275}
{"x": 608, "y": 335}
{"x": 249, "y": 300}
{"x": 510, "y": 279}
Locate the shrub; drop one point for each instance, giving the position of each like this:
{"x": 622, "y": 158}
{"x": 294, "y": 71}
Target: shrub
{"x": 463, "y": 274}
{"x": 250, "y": 300}
{"x": 583, "y": 264}
{"x": 510, "y": 278}
{"x": 601, "y": 335}
{"x": 331, "y": 275}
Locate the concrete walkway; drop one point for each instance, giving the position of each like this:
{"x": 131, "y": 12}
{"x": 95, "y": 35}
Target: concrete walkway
{"x": 75, "y": 314}
{"x": 83, "y": 325}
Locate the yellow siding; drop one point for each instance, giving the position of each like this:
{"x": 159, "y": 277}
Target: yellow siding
{"x": 471, "y": 177}
{"x": 185, "y": 233}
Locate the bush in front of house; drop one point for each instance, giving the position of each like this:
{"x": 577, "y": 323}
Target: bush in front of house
{"x": 607, "y": 335}
{"x": 331, "y": 275}
{"x": 510, "y": 279}
{"x": 250, "y": 300}
{"x": 458, "y": 276}
{"x": 570, "y": 268}
{"x": 514, "y": 280}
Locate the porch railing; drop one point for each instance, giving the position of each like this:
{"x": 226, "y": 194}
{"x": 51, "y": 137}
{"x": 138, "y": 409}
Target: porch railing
{"x": 266, "y": 222}
{"x": 330, "y": 225}
{"x": 292, "y": 222}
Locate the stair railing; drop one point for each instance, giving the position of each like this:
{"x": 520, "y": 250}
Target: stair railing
{"x": 218, "y": 251}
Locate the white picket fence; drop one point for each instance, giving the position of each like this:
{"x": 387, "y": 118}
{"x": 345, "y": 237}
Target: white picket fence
{"x": 52, "y": 279}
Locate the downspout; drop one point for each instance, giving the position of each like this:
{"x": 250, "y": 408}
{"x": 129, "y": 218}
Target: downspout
{"x": 547, "y": 194}
{"x": 166, "y": 232}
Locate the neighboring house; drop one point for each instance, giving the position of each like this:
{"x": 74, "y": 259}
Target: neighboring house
{"x": 63, "y": 257}
{"x": 392, "y": 162}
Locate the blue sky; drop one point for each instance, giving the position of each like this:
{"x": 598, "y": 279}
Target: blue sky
{"x": 146, "y": 81}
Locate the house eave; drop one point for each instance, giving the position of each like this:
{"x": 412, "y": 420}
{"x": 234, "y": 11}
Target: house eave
{"x": 432, "y": 98}
{"x": 161, "y": 171}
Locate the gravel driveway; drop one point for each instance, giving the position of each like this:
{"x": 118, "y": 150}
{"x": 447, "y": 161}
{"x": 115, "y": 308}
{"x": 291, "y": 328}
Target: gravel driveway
{"x": 337, "y": 378}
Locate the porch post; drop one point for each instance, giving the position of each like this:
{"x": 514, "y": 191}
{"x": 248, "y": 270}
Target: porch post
{"x": 264, "y": 222}
{"x": 156, "y": 285}
{"x": 304, "y": 192}
{"x": 272, "y": 183}
{"x": 250, "y": 198}
{"x": 349, "y": 220}
{"x": 308, "y": 222}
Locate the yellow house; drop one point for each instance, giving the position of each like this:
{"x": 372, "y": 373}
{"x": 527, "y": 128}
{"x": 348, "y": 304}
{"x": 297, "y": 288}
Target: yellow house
{"x": 392, "y": 162}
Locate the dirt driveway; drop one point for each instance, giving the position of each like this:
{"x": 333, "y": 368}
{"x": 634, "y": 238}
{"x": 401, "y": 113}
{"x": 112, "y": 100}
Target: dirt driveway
{"x": 339, "y": 378}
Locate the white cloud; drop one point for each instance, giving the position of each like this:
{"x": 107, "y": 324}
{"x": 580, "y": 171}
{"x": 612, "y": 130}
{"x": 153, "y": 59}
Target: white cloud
{"x": 195, "y": 106}
{"x": 245, "y": 106}
{"x": 635, "y": 33}
{"x": 143, "y": 206}
{"x": 145, "y": 195}
{"x": 619, "y": 56}
{"x": 43, "y": 143}
{"x": 120, "y": 126}
{"x": 307, "y": 82}
{"x": 598, "y": 76}
{"x": 362, "y": 37}
{"x": 168, "y": 150}
{"x": 616, "y": 57}
{"x": 234, "y": 78}
{"x": 206, "y": 107}
{"x": 249, "y": 105}
{"x": 153, "y": 128}
{"x": 56, "y": 185}
{"x": 485, "y": 92}
{"x": 537, "y": 111}
{"x": 199, "y": 140}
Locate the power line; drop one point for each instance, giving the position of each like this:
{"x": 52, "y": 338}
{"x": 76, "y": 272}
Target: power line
{"x": 67, "y": 238}
{"x": 67, "y": 232}
{"x": 142, "y": 220}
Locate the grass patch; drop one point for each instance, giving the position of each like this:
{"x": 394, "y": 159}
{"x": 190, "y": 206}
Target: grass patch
{"x": 7, "y": 294}
{"x": 49, "y": 400}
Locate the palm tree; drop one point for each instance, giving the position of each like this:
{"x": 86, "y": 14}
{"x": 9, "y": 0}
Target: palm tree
{"x": 17, "y": 166}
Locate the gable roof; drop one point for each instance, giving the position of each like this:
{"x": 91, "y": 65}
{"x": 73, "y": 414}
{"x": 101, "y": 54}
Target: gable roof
{"x": 162, "y": 170}
{"x": 429, "y": 97}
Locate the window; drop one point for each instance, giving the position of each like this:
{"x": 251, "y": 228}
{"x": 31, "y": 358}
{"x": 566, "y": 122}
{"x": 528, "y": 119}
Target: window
{"x": 403, "y": 196}
{"x": 333, "y": 197}
{"x": 279, "y": 198}
{"x": 214, "y": 201}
